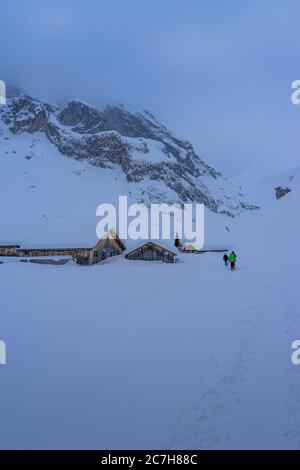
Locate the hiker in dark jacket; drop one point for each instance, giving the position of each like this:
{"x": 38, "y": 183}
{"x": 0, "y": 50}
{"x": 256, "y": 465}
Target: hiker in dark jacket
{"x": 232, "y": 260}
{"x": 225, "y": 259}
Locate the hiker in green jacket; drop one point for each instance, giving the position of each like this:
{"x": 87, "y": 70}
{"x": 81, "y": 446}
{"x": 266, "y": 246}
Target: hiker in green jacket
{"x": 232, "y": 260}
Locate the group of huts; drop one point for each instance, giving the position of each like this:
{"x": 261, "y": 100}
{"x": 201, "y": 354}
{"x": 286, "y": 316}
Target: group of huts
{"x": 108, "y": 246}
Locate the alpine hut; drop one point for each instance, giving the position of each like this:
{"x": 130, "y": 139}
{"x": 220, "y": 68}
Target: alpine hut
{"x": 151, "y": 251}
{"x": 107, "y": 246}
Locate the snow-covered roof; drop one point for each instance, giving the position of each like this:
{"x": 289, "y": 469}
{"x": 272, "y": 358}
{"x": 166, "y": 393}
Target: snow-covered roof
{"x": 190, "y": 247}
{"x": 132, "y": 245}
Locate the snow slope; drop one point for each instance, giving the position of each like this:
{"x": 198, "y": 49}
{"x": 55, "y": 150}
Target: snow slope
{"x": 149, "y": 355}
{"x": 250, "y": 396}
{"x": 259, "y": 184}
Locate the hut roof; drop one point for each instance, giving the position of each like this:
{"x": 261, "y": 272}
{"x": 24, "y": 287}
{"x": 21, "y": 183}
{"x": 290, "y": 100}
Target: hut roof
{"x": 113, "y": 236}
{"x": 190, "y": 247}
{"x": 11, "y": 245}
{"x": 85, "y": 244}
{"x": 161, "y": 247}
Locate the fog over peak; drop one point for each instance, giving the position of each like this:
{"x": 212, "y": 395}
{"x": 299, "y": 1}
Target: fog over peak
{"x": 218, "y": 75}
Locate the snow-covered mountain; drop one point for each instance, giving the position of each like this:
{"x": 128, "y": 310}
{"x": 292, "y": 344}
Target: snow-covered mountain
{"x": 153, "y": 164}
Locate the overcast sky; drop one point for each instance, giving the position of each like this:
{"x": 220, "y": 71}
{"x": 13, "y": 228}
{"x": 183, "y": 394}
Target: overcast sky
{"x": 216, "y": 72}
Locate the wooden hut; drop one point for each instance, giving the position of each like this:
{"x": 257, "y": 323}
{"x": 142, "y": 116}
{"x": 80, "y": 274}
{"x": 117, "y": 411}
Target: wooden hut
{"x": 189, "y": 248}
{"x": 151, "y": 251}
{"x": 9, "y": 250}
{"x": 109, "y": 245}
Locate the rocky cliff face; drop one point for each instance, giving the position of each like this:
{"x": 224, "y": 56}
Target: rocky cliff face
{"x": 158, "y": 166}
